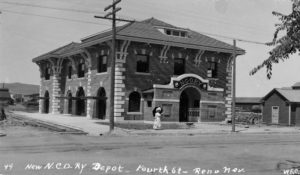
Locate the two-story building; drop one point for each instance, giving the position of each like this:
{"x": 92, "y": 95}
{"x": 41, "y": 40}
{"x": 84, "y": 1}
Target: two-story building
{"x": 185, "y": 72}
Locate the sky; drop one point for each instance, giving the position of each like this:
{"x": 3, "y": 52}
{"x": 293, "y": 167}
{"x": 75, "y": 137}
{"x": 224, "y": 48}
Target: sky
{"x": 29, "y": 28}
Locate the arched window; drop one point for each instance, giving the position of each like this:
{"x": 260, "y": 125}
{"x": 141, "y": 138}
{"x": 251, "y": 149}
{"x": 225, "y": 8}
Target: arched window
{"x": 134, "y": 102}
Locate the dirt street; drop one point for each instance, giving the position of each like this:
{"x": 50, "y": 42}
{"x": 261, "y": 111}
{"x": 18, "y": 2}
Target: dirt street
{"x": 36, "y": 151}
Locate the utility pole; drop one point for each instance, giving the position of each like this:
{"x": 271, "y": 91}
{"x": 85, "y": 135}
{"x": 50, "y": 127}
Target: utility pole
{"x": 113, "y": 12}
{"x": 233, "y": 86}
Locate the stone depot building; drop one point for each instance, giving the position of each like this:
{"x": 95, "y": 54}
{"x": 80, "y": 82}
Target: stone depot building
{"x": 157, "y": 64}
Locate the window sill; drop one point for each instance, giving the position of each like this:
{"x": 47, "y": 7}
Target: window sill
{"x": 101, "y": 73}
{"x": 134, "y": 113}
{"x": 81, "y": 78}
{"x": 142, "y": 73}
{"x": 213, "y": 78}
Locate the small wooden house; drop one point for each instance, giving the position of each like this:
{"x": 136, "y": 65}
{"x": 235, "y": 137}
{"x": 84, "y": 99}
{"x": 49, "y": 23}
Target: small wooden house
{"x": 282, "y": 106}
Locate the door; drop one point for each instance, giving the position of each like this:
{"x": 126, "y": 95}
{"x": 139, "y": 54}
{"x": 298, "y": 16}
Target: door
{"x": 275, "y": 114}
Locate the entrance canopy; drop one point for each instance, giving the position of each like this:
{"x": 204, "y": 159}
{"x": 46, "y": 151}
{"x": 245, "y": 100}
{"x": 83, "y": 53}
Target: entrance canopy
{"x": 188, "y": 80}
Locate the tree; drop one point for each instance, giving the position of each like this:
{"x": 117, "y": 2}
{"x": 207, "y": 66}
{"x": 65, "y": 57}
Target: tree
{"x": 286, "y": 45}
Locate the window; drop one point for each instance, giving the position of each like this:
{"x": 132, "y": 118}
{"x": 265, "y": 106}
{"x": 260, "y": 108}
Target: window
{"x": 212, "y": 69}
{"x": 81, "y": 68}
{"x": 69, "y": 72}
{"x": 102, "y": 63}
{"x": 183, "y": 34}
{"x": 172, "y": 32}
{"x": 142, "y": 63}
{"x": 149, "y": 103}
{"x": 176, "y": 33}
{"x": 211, "y": 111}
{"x": 179, "y": 66}
{"x": 134, "y": 102}
{"x": 47, "y": 73}
{"x": 168, "y": 32}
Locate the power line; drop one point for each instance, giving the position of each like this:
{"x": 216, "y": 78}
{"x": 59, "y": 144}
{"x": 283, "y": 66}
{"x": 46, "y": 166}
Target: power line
{"x": 234, "y": 38}
{"x": 49, "y": 7}
{"x": 59, "y": 18}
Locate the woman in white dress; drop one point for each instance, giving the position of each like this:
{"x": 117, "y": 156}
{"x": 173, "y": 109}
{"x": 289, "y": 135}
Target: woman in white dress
{"x": 157, "y": 111}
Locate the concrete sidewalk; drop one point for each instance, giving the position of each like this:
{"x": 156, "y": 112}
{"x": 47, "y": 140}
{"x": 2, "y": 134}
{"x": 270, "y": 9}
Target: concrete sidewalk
{"x": 79, "y": 123}
{"x": 95, "y": 129}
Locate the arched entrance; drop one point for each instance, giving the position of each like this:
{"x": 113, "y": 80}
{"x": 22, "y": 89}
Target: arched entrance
{"x": 101, "y": 103}
{"x": 80, "y": 103}
{"x": 189, "y": 105}
{"x": 46, "y": 103}
{"x": 70, "y": 103}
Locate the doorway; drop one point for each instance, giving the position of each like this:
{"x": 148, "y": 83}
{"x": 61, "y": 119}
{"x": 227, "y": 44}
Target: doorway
{"x": 189, "y": 105}
{"x": 80, "y": 102}
{"x": 101, "y": 103}
{"x": 46, "y": 103}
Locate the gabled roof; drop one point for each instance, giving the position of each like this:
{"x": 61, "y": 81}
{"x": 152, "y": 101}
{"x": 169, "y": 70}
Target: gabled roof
{"x": 147, "y": 31}
{"x": 291, "y": 95}
{"x": 248, "y": 100}
{"x": 57, "y": 52}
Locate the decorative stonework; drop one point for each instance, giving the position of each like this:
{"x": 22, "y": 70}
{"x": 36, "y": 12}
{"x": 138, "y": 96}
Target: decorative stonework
{"x": 88, "y": 62}
{"x": 197, "y": 60}
{"x": 228, "y": 93}
{"x": 56, "y": 65}
{"x": 119, "y": 91}
{"x": 163, "y": 54}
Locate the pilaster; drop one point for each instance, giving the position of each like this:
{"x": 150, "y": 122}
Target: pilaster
{"x": 228, "y": 91}
{"x": 119, "y": 99}
{"x": 56, "y": 92}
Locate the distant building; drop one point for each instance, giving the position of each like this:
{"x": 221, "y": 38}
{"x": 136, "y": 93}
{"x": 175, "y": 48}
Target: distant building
{"x": 248, "y": 104}
{"x": 5, "y": 96}
{"x": 185, "y": 72}
{"x": 282, "y": 106}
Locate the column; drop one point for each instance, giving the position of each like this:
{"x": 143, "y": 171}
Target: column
{"x": 56, "y": 92}
{"x": 41, "y": 100}
{"x": 119, "y": 100}
{"x": 228, "y": 94}
{"x": 88, "y": 90}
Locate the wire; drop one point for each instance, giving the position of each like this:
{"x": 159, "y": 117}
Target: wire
{"x": 60, "y": 18}
{"x": 234, "y": 38}
{"x": 53, "y": 8}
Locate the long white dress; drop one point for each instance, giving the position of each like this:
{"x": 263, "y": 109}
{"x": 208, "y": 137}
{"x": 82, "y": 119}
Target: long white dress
{"x": 157, "y": 123}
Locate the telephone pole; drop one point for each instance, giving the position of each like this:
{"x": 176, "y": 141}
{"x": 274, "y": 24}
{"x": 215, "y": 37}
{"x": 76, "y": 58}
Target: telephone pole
{"x": 112, "y": 16}
{"x": 233, "y": 86}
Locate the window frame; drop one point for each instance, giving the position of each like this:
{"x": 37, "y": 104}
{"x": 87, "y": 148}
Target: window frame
{"x": 80, "y": 72}
{"x": 70, "y": 72}
{"x": 182, "y": 69}
{"x": 47, "y": 73}
{"x": 212, "y": 69}
{"x": 101, "y": 65}
{"x": 147, "y": 62}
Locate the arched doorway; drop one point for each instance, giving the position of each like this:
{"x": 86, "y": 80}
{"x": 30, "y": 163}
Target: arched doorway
{"x": 69, "y": 103}
{"x": 80, "y": 103}
{"x": 101, "y": 103}
{"x": 189, "y": 105}
{"x": 46, "y": 103}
